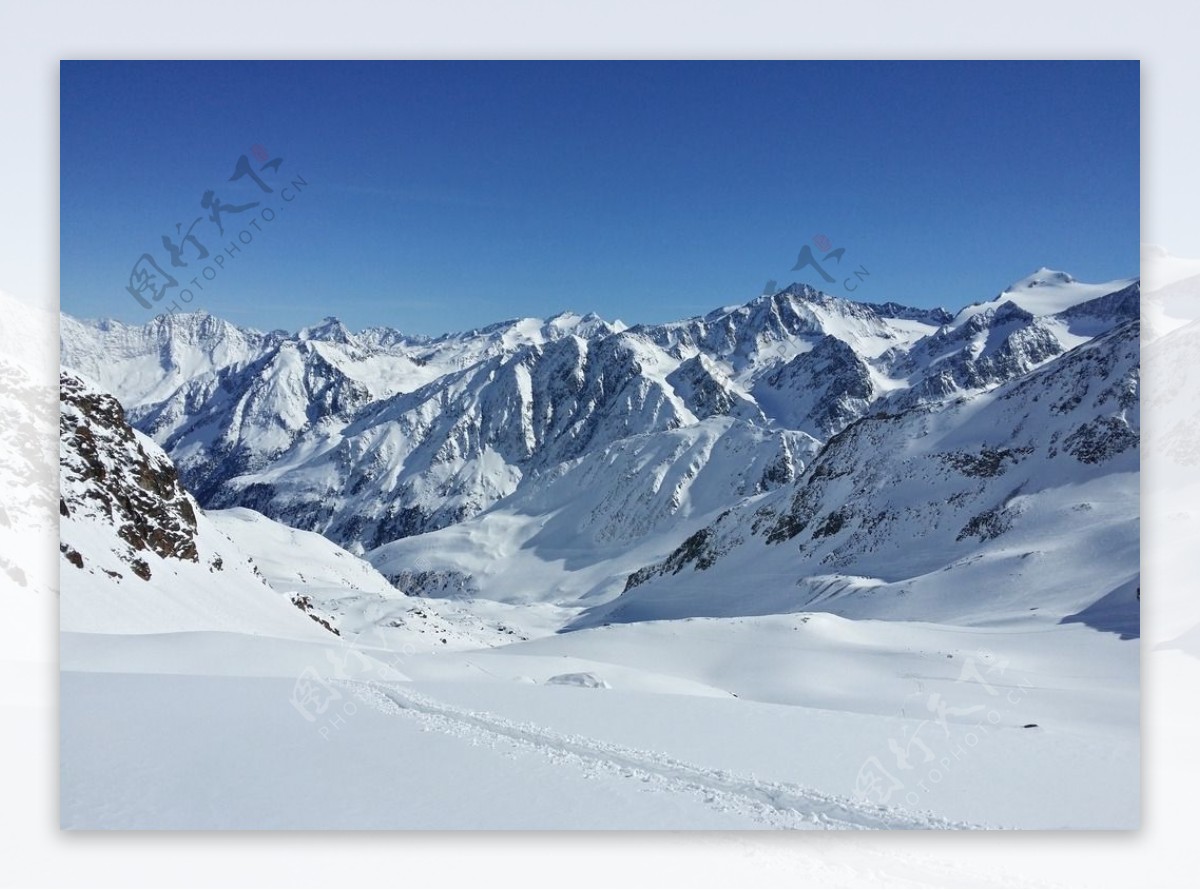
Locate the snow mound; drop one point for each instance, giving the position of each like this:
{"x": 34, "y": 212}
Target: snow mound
{"x": 585, "y": 680}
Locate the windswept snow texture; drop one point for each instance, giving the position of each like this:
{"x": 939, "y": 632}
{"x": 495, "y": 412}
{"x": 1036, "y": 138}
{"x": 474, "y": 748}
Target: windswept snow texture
{"x": 799, "y": 563}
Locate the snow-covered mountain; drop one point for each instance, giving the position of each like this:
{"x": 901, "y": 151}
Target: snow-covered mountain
{"x": 892, "y": 536}
{"x": 551, "y": 459}
{"x": 139, "y": 555}
{"x": 1023, "y": 498}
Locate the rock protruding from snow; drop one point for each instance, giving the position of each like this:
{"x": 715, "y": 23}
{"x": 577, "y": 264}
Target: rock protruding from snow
{"x": 137, "y": 553}
{"x": 109, "y": 476}
{"x": 583, "y": 680}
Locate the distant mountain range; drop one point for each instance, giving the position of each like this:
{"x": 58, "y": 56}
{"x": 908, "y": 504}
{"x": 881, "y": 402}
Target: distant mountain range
{"x": 799, "y": 451}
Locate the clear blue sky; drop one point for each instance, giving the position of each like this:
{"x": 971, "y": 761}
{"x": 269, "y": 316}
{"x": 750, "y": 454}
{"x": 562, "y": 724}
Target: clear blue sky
{"x": 447, "y": 195}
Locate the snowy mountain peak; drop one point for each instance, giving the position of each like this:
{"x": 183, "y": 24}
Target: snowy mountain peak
{"x": 803, "y": 291}
{"x": 587, "y": 326}
{"x": 192, "y": 325}
{"x": 1006, "y": 312}
{"x": 1012, "y": 465}
{"x": 1043, "y": 277}
{"x": 330, "y": 330}
{"x": 1047, "y": 292}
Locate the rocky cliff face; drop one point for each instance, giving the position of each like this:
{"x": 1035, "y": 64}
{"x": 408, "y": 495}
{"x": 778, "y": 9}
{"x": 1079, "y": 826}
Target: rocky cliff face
{"x": 110, "y": 477}
{"x": 137, "y": 553}
{"x": 820, "y": 391}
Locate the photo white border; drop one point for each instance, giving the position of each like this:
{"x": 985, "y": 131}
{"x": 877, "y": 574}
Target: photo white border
{"x": 36, "y": 37}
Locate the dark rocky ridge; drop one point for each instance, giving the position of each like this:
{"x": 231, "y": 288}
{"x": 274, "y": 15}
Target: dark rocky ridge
{"x": 105, "y": 470}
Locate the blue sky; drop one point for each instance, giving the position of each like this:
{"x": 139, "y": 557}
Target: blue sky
{"x": 444, "y": 195}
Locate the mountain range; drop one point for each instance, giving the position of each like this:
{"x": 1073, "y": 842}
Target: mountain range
{"x": 796, "y": 452}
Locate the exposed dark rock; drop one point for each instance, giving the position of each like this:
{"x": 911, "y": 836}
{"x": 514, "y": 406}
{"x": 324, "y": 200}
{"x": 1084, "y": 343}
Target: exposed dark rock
{"x": 105, "y": 468}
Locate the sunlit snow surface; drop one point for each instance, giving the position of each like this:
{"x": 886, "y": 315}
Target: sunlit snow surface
{"x": 480, "y": 739}
{"x": 984, "y": 676}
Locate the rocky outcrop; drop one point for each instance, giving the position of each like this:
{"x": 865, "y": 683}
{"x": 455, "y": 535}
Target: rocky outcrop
{"x": 108, "y": 474}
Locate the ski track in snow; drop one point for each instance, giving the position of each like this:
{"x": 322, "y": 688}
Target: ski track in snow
{"x": 772, "y": 804}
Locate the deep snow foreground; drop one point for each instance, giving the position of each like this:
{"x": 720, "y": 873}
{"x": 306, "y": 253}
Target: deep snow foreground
{"x": 797, "y": 721}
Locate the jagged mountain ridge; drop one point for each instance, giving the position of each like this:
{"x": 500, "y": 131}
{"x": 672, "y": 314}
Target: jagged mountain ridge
{"x": 1024, "y": 494}
{"x": 373, "y": 437}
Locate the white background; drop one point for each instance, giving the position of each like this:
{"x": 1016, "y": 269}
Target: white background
{"x": 33, "y": 38}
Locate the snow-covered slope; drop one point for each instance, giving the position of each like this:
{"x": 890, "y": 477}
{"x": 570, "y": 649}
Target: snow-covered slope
{"x": 573, "y": 535}
{"x": 350, "y": 597}
{"x": 1047, "y": 292}
{"x": 138, "y": 555}
{"x": 1020, "y": 499}
{"x": 774, "y": 722}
